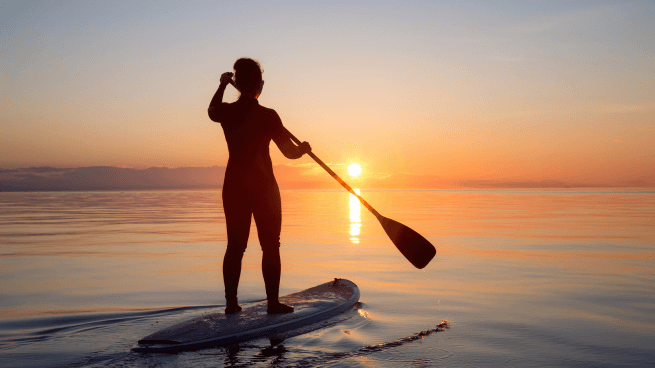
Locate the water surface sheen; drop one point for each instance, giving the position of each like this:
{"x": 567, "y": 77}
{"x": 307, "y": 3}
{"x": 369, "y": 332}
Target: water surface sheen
{"x": 525, "y": 277}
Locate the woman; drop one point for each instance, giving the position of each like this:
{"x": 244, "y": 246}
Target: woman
{"x": 250, "y": 188}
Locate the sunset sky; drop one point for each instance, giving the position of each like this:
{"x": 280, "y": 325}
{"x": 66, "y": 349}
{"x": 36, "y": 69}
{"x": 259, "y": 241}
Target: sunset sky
{"x": 420, "y": 94}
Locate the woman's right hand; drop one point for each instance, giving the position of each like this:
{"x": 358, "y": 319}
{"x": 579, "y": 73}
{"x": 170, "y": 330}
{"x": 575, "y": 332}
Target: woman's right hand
{"x": 304, "y": 148}
{"x": 226, "y": 78}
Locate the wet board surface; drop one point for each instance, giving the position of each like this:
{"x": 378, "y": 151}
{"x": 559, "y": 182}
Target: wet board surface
{"x": 311, "y": 306}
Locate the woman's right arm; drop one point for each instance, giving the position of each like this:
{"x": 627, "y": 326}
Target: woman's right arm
{"x": 289, "y": 149}
{"x": 215, "y": 106}
{"x": 282, "y": 138}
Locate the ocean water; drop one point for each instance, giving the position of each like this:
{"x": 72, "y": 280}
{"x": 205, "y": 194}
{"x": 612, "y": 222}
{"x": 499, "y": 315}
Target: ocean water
{"x": 525, "y": 278}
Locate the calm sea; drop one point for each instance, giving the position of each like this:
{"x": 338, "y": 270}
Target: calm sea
{"x": 525, "y": 278}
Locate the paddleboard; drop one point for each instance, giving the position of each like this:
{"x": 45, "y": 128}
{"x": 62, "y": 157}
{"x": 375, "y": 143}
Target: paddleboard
{"x": 311, "y": 306}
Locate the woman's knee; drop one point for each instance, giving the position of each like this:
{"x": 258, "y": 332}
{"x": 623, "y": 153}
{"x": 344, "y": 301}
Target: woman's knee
{"x": 235, "y": 249}
{"x": 271, "y": 255}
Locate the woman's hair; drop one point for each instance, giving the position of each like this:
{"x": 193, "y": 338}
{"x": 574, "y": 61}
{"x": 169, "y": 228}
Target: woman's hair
{"x": 247, "y": 76}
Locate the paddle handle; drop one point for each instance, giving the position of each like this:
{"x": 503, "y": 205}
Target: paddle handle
{"x": 336, "y": 177}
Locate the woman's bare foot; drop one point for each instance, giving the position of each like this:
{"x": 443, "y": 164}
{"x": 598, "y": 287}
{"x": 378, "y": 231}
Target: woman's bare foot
{"x": 232, "y": 308}
{"x": 279, "y": 308}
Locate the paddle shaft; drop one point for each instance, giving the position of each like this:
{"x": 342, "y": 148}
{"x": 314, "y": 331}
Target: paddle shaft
{"x": 337, "y": 178}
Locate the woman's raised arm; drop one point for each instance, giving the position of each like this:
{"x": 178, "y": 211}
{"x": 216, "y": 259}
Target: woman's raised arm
{"x": 215, "y": 105}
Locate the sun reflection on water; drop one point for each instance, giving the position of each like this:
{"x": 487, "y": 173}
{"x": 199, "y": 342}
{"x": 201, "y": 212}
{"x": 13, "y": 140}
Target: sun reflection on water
{"x": 355, "y": 217}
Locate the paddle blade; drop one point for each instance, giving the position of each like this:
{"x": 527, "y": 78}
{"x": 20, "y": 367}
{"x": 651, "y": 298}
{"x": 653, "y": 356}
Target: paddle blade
{"x": 411, "y": 244}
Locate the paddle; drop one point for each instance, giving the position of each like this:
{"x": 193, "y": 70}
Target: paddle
{"x": 411, "y": 244}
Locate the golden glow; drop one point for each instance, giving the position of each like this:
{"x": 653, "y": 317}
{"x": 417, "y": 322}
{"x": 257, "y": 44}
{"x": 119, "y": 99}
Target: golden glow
{"x": 364, "y": 313}
{"x": 355, "y": 218}
{"x": 471, "y": 131}
{"x": 354, "y": 170}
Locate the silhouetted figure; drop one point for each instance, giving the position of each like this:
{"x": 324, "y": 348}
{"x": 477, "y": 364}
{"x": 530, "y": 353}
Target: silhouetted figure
{"x": 250, "y": 188}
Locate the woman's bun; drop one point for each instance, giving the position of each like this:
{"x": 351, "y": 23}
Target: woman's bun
{"x": 245, "y": 63}
{"x": 248, "y": 75}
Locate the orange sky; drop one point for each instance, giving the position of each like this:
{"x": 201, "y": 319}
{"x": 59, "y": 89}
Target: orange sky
{"x": 420, "y": 95}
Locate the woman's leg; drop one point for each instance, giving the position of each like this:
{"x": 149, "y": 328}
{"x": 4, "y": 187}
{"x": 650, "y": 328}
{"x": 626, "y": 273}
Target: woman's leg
{"x": 237, "y": 220}
{"x": 268, "y": 218}
{"x": 271, "y": 269}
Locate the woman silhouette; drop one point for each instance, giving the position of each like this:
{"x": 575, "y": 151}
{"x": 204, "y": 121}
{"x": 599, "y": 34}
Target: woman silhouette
{"x": 249, "y": 188}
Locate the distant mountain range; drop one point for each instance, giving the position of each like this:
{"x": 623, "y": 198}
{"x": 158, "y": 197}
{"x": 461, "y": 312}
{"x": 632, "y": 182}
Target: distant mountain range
{"x": 110, "y": 178}
{"x": 288, "y": 176}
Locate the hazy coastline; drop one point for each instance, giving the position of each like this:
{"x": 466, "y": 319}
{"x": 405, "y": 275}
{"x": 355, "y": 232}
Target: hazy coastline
{"x": 94, "y": 178}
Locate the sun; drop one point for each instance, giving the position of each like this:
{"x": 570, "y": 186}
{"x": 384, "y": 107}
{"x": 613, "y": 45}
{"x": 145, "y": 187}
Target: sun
{"x": 354, "y": 170}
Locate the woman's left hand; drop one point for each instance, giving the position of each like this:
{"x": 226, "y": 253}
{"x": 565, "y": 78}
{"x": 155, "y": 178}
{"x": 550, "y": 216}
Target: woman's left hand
{"x": 226, "y": 78}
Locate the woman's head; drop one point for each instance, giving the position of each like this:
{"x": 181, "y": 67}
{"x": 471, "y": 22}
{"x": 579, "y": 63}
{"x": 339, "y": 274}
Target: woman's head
{"x": 248, "y": 77}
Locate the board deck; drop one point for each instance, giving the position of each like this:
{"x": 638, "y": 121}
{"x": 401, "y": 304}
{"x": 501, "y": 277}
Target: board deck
{"x": 311, "y": 306}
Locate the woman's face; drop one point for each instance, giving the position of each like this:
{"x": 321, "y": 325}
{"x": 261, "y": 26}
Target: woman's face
{"x": 261, "y": 87}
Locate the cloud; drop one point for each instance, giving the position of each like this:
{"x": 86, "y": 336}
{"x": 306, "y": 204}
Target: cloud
{"x": 303, "y": 176}
{"x": 618, "y": 140}
{"x": 409, "y": 181}
{"x": 648, "y": 128}
{"x": 312, "y": 176}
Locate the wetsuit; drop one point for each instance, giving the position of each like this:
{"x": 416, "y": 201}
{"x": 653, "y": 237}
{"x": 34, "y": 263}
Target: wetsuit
{"x": 250, "y": 188}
